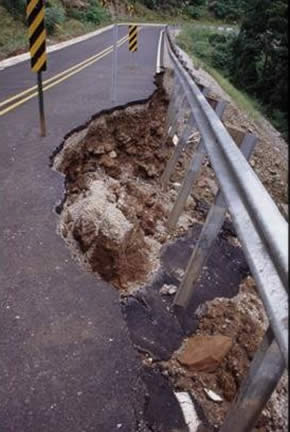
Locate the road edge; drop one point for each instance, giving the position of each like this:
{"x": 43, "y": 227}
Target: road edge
{"x": 12, "y": 61}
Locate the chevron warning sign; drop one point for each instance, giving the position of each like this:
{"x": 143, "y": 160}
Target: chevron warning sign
{"x": 37, "y": 34}
{"x": 133, "y": 38}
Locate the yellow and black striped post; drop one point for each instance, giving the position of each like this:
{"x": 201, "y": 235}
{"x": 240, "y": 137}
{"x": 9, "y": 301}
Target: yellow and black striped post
{"x": 133, "y": 38}
{"x": 37, "y": 40}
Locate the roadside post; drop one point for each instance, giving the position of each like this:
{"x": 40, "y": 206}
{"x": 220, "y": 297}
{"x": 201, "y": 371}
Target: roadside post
{"x": 35, "y": 12}
{"x": 133, "y": 40}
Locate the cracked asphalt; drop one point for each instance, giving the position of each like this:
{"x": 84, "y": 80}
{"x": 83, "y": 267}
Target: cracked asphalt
{"x": 66, "y": 361}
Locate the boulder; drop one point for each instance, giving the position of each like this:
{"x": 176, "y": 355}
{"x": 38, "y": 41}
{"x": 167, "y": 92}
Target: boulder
{"x": 205, "y": 353}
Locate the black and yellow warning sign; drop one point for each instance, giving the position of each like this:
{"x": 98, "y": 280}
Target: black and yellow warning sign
{"x": 37, "y": 34}
{"x": 133, "y": 38}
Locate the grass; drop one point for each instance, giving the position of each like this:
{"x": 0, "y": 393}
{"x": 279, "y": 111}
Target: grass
{"x": 195, "y": 43}
{"x": 13, "y": 35}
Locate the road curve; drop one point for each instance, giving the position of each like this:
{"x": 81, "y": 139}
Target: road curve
{"x": 66, "y": 361}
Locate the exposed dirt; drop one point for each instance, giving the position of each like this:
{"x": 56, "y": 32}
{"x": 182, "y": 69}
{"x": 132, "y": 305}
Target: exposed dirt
{"x": 114, "y": 215}
{"x": 243, "y": 320}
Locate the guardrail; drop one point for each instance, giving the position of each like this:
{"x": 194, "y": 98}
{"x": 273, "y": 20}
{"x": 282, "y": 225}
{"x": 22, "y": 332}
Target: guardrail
{"x": 262, "y": 231}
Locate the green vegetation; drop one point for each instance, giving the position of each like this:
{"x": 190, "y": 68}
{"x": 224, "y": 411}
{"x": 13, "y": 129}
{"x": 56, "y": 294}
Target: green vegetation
{"x": 260, "y": 58}
{"x": 62, "y": 22}
{"x": 229, "y": 10}
{"x": 196, "y": 43}
{"x": 189, "y": 9}
{"x": 252, "y": 65}
{"x": 12, "y": 35}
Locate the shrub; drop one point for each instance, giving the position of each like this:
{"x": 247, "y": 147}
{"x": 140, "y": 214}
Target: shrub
{"x": 222, "y": 54}
{"x": 150, "y": 4}
{"x": 15, "y": 7}
{"x": 96, "y": 15}
{"x": 53, "y": 17}
{"x": 194, "y": 12}
{"x": 280, "y": 121}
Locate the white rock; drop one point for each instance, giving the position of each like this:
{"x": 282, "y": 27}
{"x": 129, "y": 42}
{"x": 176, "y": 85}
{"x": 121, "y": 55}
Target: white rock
{"x": 175, "y": 140}
{"x": 213, "y": 396}
{"x": 168, "y": 290}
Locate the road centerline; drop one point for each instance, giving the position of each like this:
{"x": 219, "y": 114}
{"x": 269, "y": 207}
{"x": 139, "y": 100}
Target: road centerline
{"x": 57, "y": 79}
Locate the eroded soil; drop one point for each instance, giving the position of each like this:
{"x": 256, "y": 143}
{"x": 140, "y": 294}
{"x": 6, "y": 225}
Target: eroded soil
{"x": 114, "y": 218}
{"x": 114, "y": 214}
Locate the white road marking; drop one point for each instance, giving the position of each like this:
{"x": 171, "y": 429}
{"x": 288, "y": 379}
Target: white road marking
{"x": 189, "y": 413}
{"x": 158, "y": 65}
{"x": 12, "y": 61}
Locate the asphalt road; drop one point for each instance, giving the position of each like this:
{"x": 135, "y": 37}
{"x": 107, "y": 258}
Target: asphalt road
{"x": 66, "y": 360}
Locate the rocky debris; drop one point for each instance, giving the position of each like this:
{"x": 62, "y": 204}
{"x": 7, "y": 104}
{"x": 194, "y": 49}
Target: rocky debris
{"x": 244, "y": 321}
{"x": 112, "y": 170}
{"x": 110, "y": 242}
{"x": 213, "y": 396}
{"x": 205, "y": 353}
{"x": 168, "y": 290}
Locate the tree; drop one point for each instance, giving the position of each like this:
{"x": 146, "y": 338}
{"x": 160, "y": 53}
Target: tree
{"x": 260, "y": 63}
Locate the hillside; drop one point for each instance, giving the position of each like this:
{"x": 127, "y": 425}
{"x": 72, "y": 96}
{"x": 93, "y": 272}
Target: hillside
{"x": 69, "y": 18}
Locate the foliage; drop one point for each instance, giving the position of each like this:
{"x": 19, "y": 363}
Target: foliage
{"x": 229, "y": 10}
{"x": 192, "y": 8}
{"x": 222, "y": 53}
{"x": 12, "y": 35}
{"x": 260, "y": 56}
{"x": 254, "y": 61}
{"x": 194, "y": 12}
{"x": 54, "y": 16}
{"x": 95, "y": 13}
{"x": 15, "y": 7}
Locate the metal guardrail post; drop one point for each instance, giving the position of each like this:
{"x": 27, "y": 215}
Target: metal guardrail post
{"x": 180, "y": 107}
{"x": 186, "y": 188}
{"x": 180, "y": 111}
{"x": 177, "y": 88}
{"x": 191, "y": 176}
{"x": 209, "y": 233}
{"x": 177, "y": 153}
{"x": 265, "y": 373}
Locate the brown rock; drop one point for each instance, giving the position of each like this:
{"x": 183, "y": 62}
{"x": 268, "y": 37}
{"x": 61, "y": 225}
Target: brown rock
{"x": 109, "y": 146}
{"x": 131, "y": 149}
{"x": 100, "y": 150}
{"x": 106, "y": 161}
{"x": 112, "y": 166}
{"x": 205, "y": 353}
